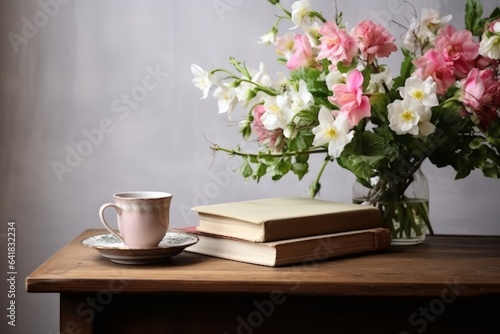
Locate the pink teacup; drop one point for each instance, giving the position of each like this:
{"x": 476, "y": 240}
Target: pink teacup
{"x": 142, "y": 216}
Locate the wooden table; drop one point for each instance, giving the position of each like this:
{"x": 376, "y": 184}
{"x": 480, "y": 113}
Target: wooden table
{"x": 449, "y": 284}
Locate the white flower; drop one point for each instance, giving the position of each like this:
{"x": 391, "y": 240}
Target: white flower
{"x": 312, "y": 32}
{"x": 262, "y": 77}
{"x": 277, "y": 112}
{"x": 335, "y": 77}
{"x": 432, "y": 19}
{"x": 284, "y": 45}
{"x": 422, "y": 33}
{"x": 490, "y": 46}
{"x": 245, "y": 90}
{"x": 378, "y": 80}
{"x": 302, "y": 99}
{"x": 425, "y": 127}
{"x": 421, "y": 91}
{"x": 404, "y": 116}
{"x": 227, "y": 98}
{"x": 300, "y": 13}
{"x": 411, "y": 39}
{"x": 202, "y": 79}
{"x": 335, "y": 132}
{"x": 269, "y": 37}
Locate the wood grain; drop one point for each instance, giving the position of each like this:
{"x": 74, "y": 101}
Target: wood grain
{"x": 469, "y": 266}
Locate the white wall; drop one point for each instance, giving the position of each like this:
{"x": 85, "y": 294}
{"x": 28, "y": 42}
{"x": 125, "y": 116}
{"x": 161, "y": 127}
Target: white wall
{"x": 68, "y": 77}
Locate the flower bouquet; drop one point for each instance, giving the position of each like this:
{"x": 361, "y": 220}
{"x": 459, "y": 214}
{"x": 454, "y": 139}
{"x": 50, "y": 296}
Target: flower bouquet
{"x": 339, "y": 99}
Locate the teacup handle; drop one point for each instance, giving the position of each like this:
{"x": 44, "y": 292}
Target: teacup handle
{"x": 103, "y": 220}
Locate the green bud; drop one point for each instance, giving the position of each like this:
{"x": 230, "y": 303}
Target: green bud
{"x": 290, "y": 131}
{"x": 274, "y": 2}
{"x": 314, "y": 189}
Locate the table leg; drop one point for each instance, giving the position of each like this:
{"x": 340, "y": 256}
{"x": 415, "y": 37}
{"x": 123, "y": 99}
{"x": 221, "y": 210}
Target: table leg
{"x": 75, "y": 315}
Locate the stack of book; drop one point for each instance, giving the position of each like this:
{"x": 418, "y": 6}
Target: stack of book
{"x": 289, "y": 230}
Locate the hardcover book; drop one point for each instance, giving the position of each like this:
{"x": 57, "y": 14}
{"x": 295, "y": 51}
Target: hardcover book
{"x": 272, "y": 219}
{"x": 290, "y": 251}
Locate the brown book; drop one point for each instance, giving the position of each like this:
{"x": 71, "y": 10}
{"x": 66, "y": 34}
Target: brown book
{"x": 272, "y": 219}
{"x": 290, "y": 251}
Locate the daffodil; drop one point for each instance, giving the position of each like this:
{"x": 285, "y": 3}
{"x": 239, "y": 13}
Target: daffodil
{"x": 301, "y": 99}
{"x": 300, "y": 13}
{"x": 404, "y": 116}
{"x": 332, "y": 131}
{"x": 202, "y": 79}
{"x": 227, "y": 99}
{"x": 421, "y": 91}
{"x": 277, "y": 112}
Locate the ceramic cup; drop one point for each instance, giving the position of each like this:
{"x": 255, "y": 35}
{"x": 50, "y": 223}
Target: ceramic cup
{"x": 142, "y": 216}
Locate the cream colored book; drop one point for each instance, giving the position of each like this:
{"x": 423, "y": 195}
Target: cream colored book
{"x": 291, "y": 251}
{"x": 272, "y": 219}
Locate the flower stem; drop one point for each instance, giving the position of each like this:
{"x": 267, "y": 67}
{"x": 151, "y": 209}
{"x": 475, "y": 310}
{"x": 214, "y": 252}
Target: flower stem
{"x": 287, "y": 13}
{"x": 314, "y": 150}
{"x": 315, "y": 185}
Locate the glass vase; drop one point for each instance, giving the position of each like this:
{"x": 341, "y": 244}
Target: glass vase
{"x": 403, "y": 203}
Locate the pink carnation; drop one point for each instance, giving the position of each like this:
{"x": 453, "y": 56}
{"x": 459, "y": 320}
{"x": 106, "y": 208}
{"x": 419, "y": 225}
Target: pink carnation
{"x": 265, "y": 136}
{"x": 374, "y": 40}
{"x": 432, "y": 64}
{"x": 302, "y": 53}
{"x": 350, "y": 99}
{"x": 336, "y": 44}
{"x": 458, "y": 47}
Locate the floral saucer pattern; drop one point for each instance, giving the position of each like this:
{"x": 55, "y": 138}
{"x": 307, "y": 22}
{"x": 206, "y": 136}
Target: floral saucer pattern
{"x": 113, "y": 249}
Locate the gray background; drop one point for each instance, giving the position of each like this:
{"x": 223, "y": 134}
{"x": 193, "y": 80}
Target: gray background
{"x": 67, "y": 78}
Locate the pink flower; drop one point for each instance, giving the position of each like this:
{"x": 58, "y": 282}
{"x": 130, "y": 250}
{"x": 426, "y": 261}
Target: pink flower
{"x": 459, "y": 47}
{"x": 473, "y": 89}
{"x": 374, "y": 40}
{"x": 432, "y": 64}
{"x": 302, "y": 53}
{"x": 285, "y": 44}
{"x": 350, "y": 99}
{"x": 265, "y": 136}
{"x": 481, "y": 94}
{"x": 336, "y": 44}
{"x": 491, "y": 25}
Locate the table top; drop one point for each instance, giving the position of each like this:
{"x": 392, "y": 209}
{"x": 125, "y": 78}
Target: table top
{"x": 467, "y": 265}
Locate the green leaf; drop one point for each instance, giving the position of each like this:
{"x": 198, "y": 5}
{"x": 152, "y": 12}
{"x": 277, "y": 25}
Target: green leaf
{"x": 245, "y": 169}
{"x": 363, "y": 155}
{"x": 301, "y": 142}
{"x": 302, "y": 157}
{"x": 300, "y": 169}
{"x": 344, "y": 68}
{"x": 407, "y": 69}
{"x": 476, "y": 143}
{"x": 494, "y": 129}
{"x": 495, "y": 14}
{"x": 259, "y": 171}
{"x": 463, "y": 171}
{"x": 378, "y": 102}
{"x": 280, "y": 168}
{"x": 473, "y": 16}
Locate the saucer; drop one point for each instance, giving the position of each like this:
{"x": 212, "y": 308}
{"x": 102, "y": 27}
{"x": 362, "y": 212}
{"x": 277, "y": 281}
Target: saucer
{"x": 113, "y": 249}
